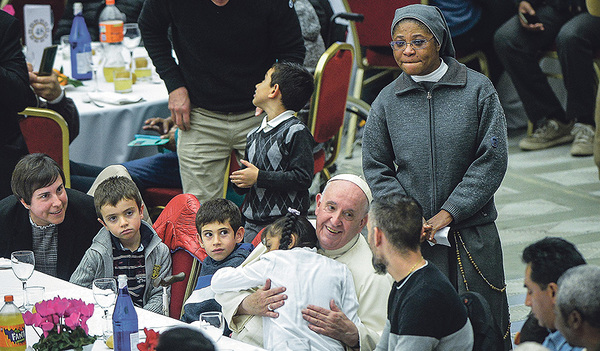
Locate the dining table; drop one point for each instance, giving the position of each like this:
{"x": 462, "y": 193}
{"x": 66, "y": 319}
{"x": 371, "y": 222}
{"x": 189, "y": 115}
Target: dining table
{"x": 107, "y": 127}
{"x": 58, "y": 287}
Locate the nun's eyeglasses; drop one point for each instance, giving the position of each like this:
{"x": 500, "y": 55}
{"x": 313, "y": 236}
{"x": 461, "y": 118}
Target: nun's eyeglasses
{"x": 416, "y": 44}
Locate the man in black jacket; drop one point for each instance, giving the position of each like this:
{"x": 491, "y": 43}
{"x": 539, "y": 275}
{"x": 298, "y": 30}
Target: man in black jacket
{"x": 15, "y": 96}
{"x": 224, "y": 48}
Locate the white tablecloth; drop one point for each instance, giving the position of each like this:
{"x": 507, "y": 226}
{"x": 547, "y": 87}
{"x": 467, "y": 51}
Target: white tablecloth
{"x": 105, "y": 132}
{"x": 57, "y": 287}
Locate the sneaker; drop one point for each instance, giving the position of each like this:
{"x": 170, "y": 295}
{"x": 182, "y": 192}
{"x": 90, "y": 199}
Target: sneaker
{"x": 583, "y": 145}
{"x": 549, "y": 134}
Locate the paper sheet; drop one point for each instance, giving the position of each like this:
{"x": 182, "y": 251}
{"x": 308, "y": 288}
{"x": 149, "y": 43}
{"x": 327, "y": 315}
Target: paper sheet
{"x": 441, "y": 236}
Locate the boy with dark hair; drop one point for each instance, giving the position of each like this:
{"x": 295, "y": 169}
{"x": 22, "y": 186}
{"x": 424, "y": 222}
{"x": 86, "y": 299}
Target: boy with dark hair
{"x": 546, "y": 261}
{"x": 279, "y": 164}
{"x": 220, "y": 232}
{"x": 126, "y": 245}
{"x": 56, "y": 223}
{"x": 424, "y": 310}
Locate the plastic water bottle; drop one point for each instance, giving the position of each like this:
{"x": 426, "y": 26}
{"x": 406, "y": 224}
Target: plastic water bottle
{"x": 81, "y": 46}
{"x": 12, "y": 328}
{"x": 111, "y": 36}
{"x": 125, "y": 321}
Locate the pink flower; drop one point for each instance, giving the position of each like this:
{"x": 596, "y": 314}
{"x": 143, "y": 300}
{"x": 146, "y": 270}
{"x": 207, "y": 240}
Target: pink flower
{"x": 73, "y": 320}
{"x": 33, "y": 319}
{"x": 60, "y": 306}
{"x": 44, "y": 308}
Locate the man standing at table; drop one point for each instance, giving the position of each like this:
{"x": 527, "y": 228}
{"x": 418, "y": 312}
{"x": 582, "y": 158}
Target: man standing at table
{"x": 224, "y": 48}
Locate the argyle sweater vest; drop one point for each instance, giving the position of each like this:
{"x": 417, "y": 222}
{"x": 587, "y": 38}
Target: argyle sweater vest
{"x": 284, "y": 157}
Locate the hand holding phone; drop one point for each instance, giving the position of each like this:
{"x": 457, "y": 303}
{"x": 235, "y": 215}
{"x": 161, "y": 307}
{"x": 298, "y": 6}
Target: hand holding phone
{"x": 529, "y": 19}
{"x": 47, "y": 63}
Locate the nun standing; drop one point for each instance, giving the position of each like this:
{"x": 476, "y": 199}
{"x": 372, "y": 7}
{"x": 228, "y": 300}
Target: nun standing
{"x": 438, "y": 134}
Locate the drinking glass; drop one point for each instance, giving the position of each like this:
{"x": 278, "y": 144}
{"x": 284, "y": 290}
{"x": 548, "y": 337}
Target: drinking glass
{"x": 95, "y": 62}
{"x": 213, "y": 324}
{"x": 34, "y": 294}
{"x": 22, "y": 263}
{"x": 105, "y": 294}
{"x": 131, "y": 39}
{"x": 122, "y": 81}
{"x": 65, "y": 49}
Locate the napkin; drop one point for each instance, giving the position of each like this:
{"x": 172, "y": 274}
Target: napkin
{"x": 4, "y": 263}
{"x": 441, "y": 237}
{"x": 114, "y": 98}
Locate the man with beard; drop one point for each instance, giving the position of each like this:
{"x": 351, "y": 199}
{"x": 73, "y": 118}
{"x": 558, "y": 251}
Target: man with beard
{"x": 424, "y": 310}
{"x": 342, "y": 212}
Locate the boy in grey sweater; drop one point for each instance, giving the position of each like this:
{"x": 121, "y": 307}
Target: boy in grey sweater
{"x": 125, "y": 245}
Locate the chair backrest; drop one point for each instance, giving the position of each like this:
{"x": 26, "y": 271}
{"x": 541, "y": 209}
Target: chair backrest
{"x": 176, "y": 226}
{"x": 328, "y": 104}
{"x": 46, "y": 131}
{"x": 373, "y": 34}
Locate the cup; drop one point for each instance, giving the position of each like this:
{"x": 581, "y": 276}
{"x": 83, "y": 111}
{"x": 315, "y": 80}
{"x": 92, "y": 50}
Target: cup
{"x": 212, "y": 323}
{"x": 122, "y": 81}
{"x": 142, "y": 69}
{"x": 34, "y": 294}
{"x": 65, "y": 47}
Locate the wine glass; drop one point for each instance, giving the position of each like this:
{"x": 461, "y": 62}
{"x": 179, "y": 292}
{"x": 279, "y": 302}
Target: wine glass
{"x": 105, "y": 294}
{"x": 131, "y": 39}
{"x": 22, "y": 263}
{"x": 213, "y": 324}
{"x": 95, "y": 62}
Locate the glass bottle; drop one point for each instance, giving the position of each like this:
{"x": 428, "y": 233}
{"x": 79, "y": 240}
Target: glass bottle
{"x": 125, "y": 321}
{"x": 81, "y": 46}
{"x": 111, "y": 35}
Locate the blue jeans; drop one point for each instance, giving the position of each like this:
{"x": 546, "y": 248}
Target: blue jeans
{"x": 160, "y": 170}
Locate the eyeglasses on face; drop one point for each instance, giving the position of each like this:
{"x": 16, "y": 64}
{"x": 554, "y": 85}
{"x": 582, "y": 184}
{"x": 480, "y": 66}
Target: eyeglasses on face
{"x": 416, "y": 44}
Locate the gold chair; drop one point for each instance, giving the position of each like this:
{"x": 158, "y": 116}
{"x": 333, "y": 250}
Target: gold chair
{"x": 47, "y": 132}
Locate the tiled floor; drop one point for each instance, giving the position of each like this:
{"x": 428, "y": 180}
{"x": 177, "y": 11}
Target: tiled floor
{"x": 544, "y": 193}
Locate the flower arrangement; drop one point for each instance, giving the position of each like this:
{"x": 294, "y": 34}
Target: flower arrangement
{"x": 63, "y": 322}
{"x": 151, "y": 340}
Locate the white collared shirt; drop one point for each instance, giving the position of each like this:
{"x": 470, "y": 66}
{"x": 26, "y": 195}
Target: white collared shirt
{"x": 434, "y": 76}
{"x": 267, "y": 126}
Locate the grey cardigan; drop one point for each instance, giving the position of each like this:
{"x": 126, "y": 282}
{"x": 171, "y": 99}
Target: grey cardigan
{"x": 98, "y": 263}
{"x": 447, "y": 147}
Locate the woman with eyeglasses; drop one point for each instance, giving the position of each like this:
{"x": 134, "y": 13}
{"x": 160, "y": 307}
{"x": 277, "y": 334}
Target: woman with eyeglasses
{"x": 438, "y": 134}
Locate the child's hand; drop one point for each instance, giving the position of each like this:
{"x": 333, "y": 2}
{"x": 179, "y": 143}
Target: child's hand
{"x": 245, "y": 178}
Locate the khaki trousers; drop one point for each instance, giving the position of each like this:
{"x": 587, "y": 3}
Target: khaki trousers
{"x": 204, "y": 150}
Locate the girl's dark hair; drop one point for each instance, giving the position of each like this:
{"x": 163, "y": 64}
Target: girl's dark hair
{"x": 292, "y": 224}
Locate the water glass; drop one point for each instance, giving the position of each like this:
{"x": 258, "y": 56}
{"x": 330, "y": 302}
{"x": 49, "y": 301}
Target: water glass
{"x": 122, "y": 81}
{"x": 213, "y": 324}
{"x": 105, "y": 294}
{"x": 34, "y": 295}
{"x": 23, "y": 263}
{"x": 65, "y": 48}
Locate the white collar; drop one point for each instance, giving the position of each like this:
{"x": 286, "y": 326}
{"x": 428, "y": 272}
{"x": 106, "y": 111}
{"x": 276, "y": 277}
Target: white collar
{"x": 434, "y": 76}
{"x": 267, "y": 125}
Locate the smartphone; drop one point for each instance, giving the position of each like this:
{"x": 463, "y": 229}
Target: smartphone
{"x": 529, "y": 19}
{"x": 48, "y": 60}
